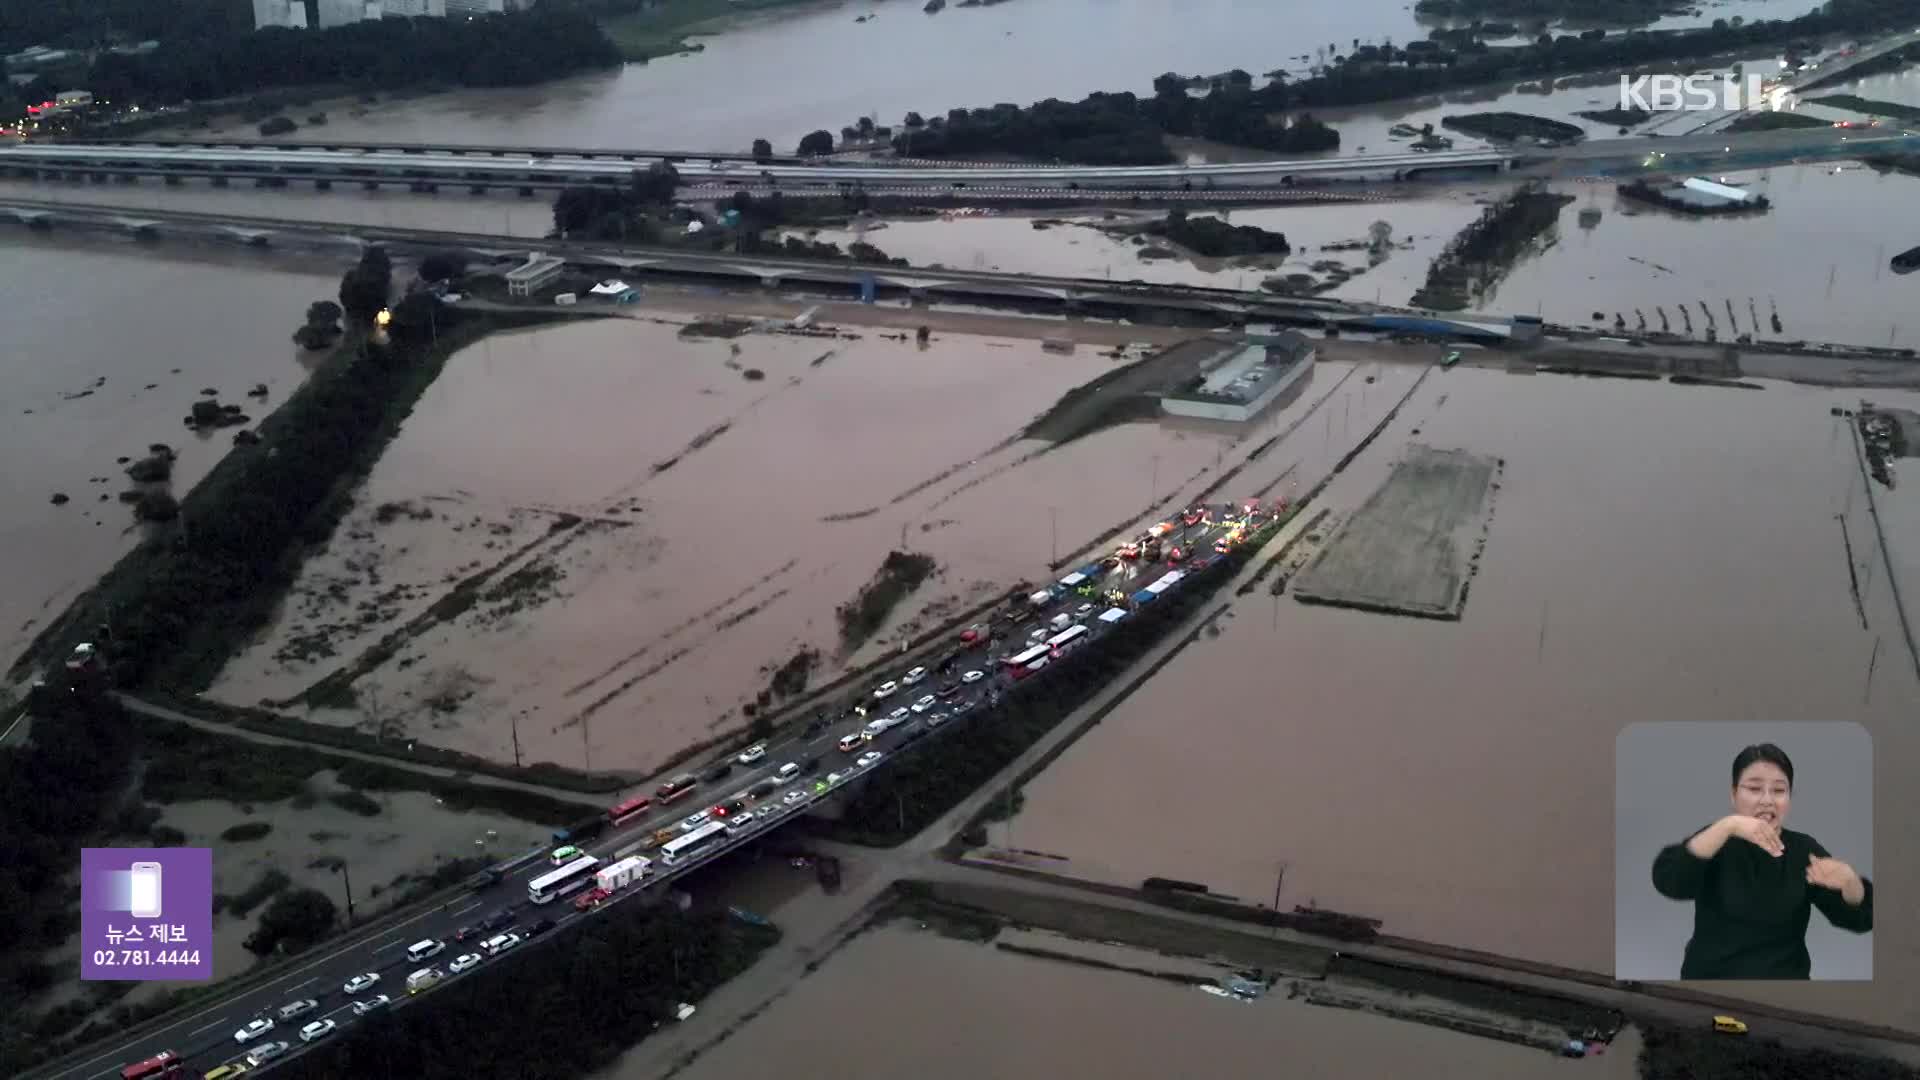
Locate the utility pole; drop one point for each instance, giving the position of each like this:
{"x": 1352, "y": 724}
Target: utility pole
{"x": 340, "y": 867}
{"x": 515, "y": 719}
{"x": 1279, "y": 879}
{"x": 1009, "y": 817}
{"x": 1153, "y": 492}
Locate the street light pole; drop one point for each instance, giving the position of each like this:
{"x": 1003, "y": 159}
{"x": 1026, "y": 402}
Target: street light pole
{"x": 346, "y": 877}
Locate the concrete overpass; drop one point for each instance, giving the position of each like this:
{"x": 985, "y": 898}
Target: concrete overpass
{"x": 1194, "y": 304}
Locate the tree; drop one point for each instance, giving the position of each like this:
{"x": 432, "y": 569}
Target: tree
{"x": 363, "y": 293}
{"x": 657, "y": 185}
{"x": 816, "y": 143}
{"x": 293, "y": 921}
{"x": 443, "y": 266}
{"x": 323, "y": 313}
{"x": 915, "y": 120}
{"x": 762, "y": 151}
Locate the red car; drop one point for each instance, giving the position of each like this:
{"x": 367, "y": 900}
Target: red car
{"x": 590, "y": 899}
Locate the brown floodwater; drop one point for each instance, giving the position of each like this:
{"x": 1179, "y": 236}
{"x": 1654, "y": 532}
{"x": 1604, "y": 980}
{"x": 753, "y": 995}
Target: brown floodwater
{"x": 900, "y": 1001}
{"x": 1656, "y": 553}
{"x": 667, "y": 608}
{"x": 107, "y": 345}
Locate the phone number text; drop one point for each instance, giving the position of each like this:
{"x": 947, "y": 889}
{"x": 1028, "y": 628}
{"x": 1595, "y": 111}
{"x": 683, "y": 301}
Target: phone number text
{"x": 144, "y": 957}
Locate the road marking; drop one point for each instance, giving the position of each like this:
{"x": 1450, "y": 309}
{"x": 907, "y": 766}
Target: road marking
{"x": 209, "y": 1027}
{"x": 388, "y": 945}
{"x": 469, "y": 907}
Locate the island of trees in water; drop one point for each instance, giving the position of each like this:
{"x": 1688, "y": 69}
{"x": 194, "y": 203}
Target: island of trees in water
{"x": 1128, "y": 129}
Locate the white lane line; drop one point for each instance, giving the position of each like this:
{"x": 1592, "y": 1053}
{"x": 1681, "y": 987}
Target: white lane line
{"x": 309, "y": 982}
{"x": 388, "y": 945}
{"x": 208, "y": 1027}
{"x": 469, "y": 907}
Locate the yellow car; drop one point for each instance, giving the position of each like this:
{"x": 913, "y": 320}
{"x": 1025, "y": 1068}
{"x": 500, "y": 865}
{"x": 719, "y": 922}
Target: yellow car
{"x": 1729, "y": 1026}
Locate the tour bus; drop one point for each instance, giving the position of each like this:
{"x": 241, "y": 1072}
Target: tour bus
{"x": 166, "y": 1064}
{"x": 569, "y": 878}
{"x": 627, "y": 811}
{"x": 677, "y": 787}
{"x": 706, "y": 836}
{"x": 1020, "y": 661}
{"x": 1067, "y": 637}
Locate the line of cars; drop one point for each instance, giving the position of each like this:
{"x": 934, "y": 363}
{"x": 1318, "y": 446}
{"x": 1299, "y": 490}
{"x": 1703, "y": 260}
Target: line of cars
{"x": 748, "y": 810}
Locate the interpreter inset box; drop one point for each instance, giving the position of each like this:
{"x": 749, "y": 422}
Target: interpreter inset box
{"x": 1743, "y": 851}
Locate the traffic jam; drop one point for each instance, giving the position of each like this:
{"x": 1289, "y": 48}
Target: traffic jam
{"x": 1014, "y": 643}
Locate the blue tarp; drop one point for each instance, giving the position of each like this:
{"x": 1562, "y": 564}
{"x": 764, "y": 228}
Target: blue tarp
{"x": 1144, "y": 597}
{"x": 1092, "y": 569}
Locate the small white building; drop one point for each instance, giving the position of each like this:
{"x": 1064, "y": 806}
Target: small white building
{"x": 1720, "y": 192}
{"x": 535, "y": 274}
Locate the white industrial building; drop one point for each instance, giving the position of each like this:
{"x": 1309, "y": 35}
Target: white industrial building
{"x": 535, "y": 274}
{"x": 1245, "y": 377}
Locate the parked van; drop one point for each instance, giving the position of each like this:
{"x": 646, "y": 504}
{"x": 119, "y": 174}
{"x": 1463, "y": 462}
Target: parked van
{"x": 1061, "y": 621}
{"x": 424, "y": 979}
{"x": 850, "y": 743}
{"x": 787, "y": 773}
{"x": 422, "y": 950}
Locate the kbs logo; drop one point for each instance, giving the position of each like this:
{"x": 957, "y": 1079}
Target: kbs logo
{"x": 1692, "y": 93}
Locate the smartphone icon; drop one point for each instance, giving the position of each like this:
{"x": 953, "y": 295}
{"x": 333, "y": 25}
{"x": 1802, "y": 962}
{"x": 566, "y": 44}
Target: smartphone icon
{"x": 146, "y": 890}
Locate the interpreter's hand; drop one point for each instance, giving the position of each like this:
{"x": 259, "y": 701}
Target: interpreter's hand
{"x": 1831, "y": 874}
{"x": 1754, "y": 831}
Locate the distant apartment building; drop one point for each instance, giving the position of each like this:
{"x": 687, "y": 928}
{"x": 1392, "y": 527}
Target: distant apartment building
{"x": 413, "y": 9}
{"x": 289, "y": 14}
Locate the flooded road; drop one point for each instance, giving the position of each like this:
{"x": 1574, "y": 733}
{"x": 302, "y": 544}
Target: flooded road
{"x": 108, "y": 344}
{"x": 1657, "y": 553}
{"x": 789, "y": 73}
{"x": 957, "y": 1010}
{"x": 729, "y": 495}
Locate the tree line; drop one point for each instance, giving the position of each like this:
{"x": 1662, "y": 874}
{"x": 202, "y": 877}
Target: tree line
{"x": 208, "y": 61}
{"x": 1126, "y": 129}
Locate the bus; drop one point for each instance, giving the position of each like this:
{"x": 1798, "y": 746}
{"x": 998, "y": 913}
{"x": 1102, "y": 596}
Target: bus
{"x": 1072, "y": 634}
{"x": 1038, "y": 652}
{"x": 698, "y": 840}
{"x": 166, "y": 1063}
{"x": 677, "y": 787}
{"x": 576, "y": 874}
{"x": 627, "y": 811}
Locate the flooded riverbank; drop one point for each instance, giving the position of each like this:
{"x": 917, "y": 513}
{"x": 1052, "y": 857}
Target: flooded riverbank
{"x": 1658, "y": 553}
{"x": 108, "y": 345}
{"x": 594, "y": 544}
{"x": 968, "y": 1022}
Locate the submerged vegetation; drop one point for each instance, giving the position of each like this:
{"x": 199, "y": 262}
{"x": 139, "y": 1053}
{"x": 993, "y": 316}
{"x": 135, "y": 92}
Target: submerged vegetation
{"x": 1475, "y": 260}
{"x": 1216, "y": 238}
{"x": 900, "y": 573}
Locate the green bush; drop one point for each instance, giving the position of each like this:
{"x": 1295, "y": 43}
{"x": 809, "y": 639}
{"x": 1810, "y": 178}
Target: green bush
{"x": 355, "y": 802}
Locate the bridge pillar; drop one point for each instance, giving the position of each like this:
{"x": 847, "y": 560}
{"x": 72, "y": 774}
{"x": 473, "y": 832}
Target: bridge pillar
{"x": 370, "y": 185}
{"x": 173, "y": 181}
{"x": 98, "y": 178}
{"x": 128, "y": 178}
{"x": 478, "y": 189}
{"x": 323, "y": 185}
{"x": 219, "y": 181}
{"x": 526, "y": 193}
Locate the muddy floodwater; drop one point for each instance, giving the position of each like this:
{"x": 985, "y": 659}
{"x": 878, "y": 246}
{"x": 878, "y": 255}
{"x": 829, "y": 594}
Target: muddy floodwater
{"x": 782, "y": 75}
{"x": 1656, "y": 553}
{"x": 645, "y": 526}
{"x": 960, "y": 1010}
{"x": 107, "y": 347}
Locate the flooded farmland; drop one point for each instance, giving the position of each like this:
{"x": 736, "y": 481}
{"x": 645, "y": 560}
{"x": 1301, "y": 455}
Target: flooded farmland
{"x": 88, "y": 394}
{"x": 593, "y": 544}
{"x": 1069, "y": 1020}
{"x": 1658, "y": 553}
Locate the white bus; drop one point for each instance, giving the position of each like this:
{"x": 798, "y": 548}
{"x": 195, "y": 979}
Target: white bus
{"x": 1038, "y": 652}
{"x": 713, "y": 832}
{"x": 577, "y": 874}
{"x": 1067, "y": 637}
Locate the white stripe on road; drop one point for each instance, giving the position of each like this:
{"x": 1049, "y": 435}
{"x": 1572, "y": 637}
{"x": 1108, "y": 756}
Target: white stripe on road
{"x": 209, "y": 1027}
{"x": 468, "y": 908}
{"x": 388, "y": 945}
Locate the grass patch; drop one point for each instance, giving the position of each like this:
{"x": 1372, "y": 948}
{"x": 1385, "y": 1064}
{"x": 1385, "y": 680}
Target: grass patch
{"x": 663, "y": 30}
{"x": 186, "y": 763}
{"x": 245, "y": 831}
{"x": 1856, "y": 103}
{"x": 1776, "y": 121}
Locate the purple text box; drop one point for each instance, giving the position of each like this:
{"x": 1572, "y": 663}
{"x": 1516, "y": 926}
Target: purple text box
{"x": 146, "y": 914}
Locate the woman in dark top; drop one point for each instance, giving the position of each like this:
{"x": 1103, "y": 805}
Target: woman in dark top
{"x": 1754, "y": 883}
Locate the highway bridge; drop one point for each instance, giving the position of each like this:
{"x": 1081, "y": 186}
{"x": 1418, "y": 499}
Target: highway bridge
{"x": 977, "y": 680}
{"x": 1089, "y": 296}
{"x": 1599, "y": 157}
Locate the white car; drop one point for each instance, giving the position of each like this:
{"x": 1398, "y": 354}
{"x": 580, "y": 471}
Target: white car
{"x": 378, "y": 1001}
{"x": 834, "y": 779}
{"x": 898, "y": 716}
{"x": 886, "y": 689}
{"x": 266, "y": 1052}
{"x": 913, "y": 676}
{"x": 924, "y": 704}
{"x": 1083, "y": 611}
{"x": 973, "y": 676}
{"x": 497, "y": 945}
{"x": 360, "y": 982}
{"x": 752, "y": 753}
{"x": 253, "y": 1030}
{"x": 319, "y": 1029}
{"x": 795, "y": 797}
{"x": 787, "y": 773}
{"x": 465, "y": 963}
{"x": 871, "y": 757}
{"x": 695, "y": 820}
{"x": 934, "y": 720}
{"x": 294, "y": 1008}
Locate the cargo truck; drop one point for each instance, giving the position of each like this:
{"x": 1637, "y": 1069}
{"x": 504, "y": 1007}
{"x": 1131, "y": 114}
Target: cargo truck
{"x": 424, "y": 979}
{"x": 623, "y": 873}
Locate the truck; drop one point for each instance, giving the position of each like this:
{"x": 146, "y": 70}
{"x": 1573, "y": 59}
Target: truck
{"x": 619, "y": 875}
{"x": 424, "y": 979}
{"x": 1061, "y": 621}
